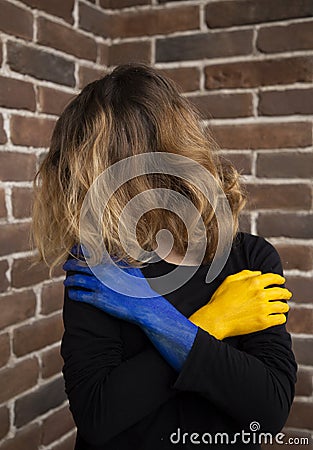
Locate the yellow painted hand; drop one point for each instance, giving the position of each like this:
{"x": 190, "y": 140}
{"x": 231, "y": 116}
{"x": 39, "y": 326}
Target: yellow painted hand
{"x": 241, "y": 305}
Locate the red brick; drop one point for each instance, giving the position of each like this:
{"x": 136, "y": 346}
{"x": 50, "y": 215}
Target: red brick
{"x": 39, "y": 334}
{"x": 304, "y": 382}
{"x": 284, "y": 165}
{"x": 103, "y": 52}
{"x": 4, "y": 421}
{"x": 58, "y": 8}
{"x": 52, "y": 297}
{"x": 16, "y": 307}
{"x": 296, "y": 256}
{"x": 66, "y": 39}
{"x": 293, "y": 101}
{"x": 15, "y": 20}
{"x": 14, "y": 237}
{"x": 3, "y": 208}
{"x": 4, "y": 282}
{"x": 155, "y": 21}
{"x": 23, "y": 274}
{"x": 40, "y": 64}
{"x": 56, "y": 425}
{"x": 52, "y": 362}
{"x": 187, "y": 78}
{"x": 94, "y": 20}
{"x": 300, "y": 320}
{"x": 204, "y": 45}
{"x": 116, "y": 4}
{"x": 69, "y": 443}
{"x": 129, "y": 51}
{"x": 31, "y": 131}
{"x": 26, "y": 438}
{"x": 301, "y": 415}
{"x": 241, "y": 161}
{"x": 17, "y": 166}
{"x": 17, "y": 94}
{"x": 4, "y": 353}
{"x": 282, "y": 38}
{"x": 285, "y": 224}
{"x": 263, "y": 135}
{"x": 223, "y": 105}
{"x": 87, "y": 75}
{"x": 15, "y": 383}
{"x": 302, "y": 348}
{"x": 229, "y": 13}
{"x": 46, "y": 397}
{"x": 3, "y": 135}
{"x": 58, "y": 270}
{"x": 245, "y": 222}
{"x": 283, "y": 196}
{"x": 22, "y": 201}
{"x": 53, "y": 101}
{"x": 259, "y": 73}
{"x": 301, "y": 287}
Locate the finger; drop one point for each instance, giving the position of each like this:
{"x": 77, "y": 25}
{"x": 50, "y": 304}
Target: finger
{"x": 244, "y": 274}
{"x": 267, "y": 279}
{"x": 77, "y": 266}
{"x": 276, "y": 319}
{"x": 84, "y": 281}
{"x": 82, "y": 296}
{"x": 277, "y": 293}
{"x": 278, "y": 307}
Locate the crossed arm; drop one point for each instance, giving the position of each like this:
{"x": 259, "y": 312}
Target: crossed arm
{"x": 171, "y": 332}
{"x": 205, "y": 365}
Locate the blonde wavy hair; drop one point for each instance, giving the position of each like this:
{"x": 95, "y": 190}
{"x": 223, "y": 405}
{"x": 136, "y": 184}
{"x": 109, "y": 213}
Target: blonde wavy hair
{"x": 134, "y": 109}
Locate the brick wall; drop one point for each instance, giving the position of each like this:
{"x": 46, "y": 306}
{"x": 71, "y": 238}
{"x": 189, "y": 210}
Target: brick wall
{"x": 246, "y": 64}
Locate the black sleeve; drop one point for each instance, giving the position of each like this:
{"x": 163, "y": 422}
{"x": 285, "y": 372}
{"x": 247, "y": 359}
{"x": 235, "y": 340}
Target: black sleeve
{"x": 107, "y": 394}
{"x": 255, "y": 382}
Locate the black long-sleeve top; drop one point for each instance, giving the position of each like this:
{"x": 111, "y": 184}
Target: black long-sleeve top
{"x": 124, "y": 395}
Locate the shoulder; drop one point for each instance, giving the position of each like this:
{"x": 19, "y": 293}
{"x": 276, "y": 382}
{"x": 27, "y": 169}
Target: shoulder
{"x": 83, "y": 319}
{"x": 261, "y": 254}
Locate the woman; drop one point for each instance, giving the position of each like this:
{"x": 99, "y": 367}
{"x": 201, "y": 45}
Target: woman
{"x": 147, "y": 367}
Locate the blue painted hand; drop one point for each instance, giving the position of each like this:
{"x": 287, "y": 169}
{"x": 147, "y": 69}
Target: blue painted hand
{"x": 169, "y": 330}
{"x": 134, "y": 300}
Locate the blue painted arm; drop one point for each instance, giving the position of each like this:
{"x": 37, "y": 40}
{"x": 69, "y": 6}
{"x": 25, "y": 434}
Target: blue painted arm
{"x": 169, "y": 330}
